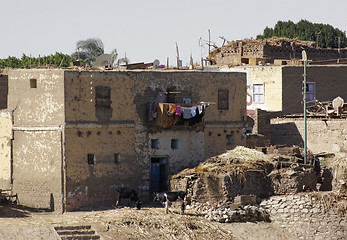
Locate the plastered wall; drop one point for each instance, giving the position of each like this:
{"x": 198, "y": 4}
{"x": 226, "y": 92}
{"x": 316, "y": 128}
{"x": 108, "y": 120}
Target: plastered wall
{"x": 37, "y": 169}
{"x": 5, "y": 149}
{"x": 36, "y": 102}
{"x": 42, "y": 105}
{"x": 95, "y": 184}
{"x": 189, "y": 152}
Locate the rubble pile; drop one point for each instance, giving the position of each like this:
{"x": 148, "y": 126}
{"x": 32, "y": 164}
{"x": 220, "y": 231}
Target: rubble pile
{"x": 294, "y": 179}
{"x": 248, "y": 213}
{"x": 240, "y": 171}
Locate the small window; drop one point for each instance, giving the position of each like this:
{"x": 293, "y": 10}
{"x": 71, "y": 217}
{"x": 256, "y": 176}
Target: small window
{"x": 230, "y": 140}
{"x": 174, "y": 143}
{"x": 33, "y": 83}
{"x": 258, "y": 93}
{"x": 91, "y": 158}
{"x": 310, "y": 91}
{"x": 154, "y": 143}
{"x": 223, "y": 99}
{"x": 117, "y": 158}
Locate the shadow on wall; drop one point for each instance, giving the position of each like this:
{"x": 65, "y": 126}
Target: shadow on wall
{"x": 286, "y": 134}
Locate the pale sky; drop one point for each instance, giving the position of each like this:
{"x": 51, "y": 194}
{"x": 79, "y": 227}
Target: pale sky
{"x": 148, "y": 29}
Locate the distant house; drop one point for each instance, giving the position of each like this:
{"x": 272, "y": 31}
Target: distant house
{"x": 70, "y": 137}
{"x": 280, "y": 88}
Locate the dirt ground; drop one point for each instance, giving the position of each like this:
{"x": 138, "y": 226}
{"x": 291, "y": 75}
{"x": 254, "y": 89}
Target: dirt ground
{"x": 129, "y": 223}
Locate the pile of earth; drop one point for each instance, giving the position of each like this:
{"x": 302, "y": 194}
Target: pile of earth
{"x": 243, "y": 171}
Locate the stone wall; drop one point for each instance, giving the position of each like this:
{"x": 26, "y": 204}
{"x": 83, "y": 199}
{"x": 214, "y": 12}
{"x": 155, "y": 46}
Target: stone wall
{"x": 305, "y": 217}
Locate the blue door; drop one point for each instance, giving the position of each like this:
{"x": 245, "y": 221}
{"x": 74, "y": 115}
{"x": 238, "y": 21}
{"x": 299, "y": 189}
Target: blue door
{"x": 155, "y": 177}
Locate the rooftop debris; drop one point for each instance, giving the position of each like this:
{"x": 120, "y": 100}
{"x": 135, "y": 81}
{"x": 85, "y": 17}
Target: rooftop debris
{"x": 335, "y": 108}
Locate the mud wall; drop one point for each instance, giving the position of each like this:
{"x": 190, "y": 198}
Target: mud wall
{"x": 36, "y": 97}
{"x": 330, "y": 83}
{"x": 186, "y": 154}
{"x": 305, "y": 217}
{"x": 36, "y": 101}
{"x": 322, "y": 135}
{"x": 37, "y": 168}
{"x": 121, "y": 126}
{"x": 5, "y": 149}
{"x": 3, "y": 91}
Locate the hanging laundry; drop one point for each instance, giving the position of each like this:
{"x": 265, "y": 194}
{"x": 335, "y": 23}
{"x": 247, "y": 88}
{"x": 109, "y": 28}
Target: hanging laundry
{"x": 200, "y": 109}
{"x": 172, "y": 109}
{"x": 178, "y": 110}
{"x": 193, "y": 111}
{"x": 186, "y": 112}
{"x": 187, "y": 100}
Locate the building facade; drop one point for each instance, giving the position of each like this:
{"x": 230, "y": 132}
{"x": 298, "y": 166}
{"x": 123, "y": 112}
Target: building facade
{"x": 76, "y": 136}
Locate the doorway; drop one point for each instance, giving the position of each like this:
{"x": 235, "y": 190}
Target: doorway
{"x": 158, "y": 174}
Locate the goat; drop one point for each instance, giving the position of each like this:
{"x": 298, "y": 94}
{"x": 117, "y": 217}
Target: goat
{"x": 129, "y": 194}
{"x": 167, "y": 197}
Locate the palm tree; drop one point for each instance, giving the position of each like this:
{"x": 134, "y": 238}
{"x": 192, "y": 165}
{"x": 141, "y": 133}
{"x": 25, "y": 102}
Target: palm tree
{"x": 88, "y": 50}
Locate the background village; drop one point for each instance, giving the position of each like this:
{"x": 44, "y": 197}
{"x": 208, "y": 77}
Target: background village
{"x": 230, "y": 131}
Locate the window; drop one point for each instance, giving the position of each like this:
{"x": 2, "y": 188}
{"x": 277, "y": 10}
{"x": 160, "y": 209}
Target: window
{"x": 154, "y": 143}
{"x": 223, "y": 99}
{"x": 103, "y": 109}
{"x": 310, "y": 91}
{"x": 103, "y": 96}
{"x": 91, "y": 158}
{"x": 174, "y": 143}
{"x": 230, "y": 140}
{"x": 258, "y": 93}
{"x": 33, "y": 83}
{"x": 117, "y": 158}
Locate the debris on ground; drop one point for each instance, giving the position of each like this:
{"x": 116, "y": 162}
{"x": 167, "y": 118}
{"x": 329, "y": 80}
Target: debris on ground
{"x": 226, "y": 214}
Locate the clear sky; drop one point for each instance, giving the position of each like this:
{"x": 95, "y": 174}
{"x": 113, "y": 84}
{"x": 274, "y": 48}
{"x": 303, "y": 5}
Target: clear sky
{"x": 146, "y": 30}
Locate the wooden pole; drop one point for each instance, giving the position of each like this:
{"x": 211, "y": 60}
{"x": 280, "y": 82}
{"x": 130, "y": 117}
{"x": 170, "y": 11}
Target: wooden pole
{"x": 167, "y": 62}
{"x": 178, "y": 56}
{"x": 39, "y": 60}
{"x": 30, "y": 61}
{"x": 202, "y": 63}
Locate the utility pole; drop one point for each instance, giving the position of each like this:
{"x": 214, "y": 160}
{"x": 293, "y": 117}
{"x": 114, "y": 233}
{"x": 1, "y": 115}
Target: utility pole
{"x": 178, "y": 56}
{"x": 304, "y": 59}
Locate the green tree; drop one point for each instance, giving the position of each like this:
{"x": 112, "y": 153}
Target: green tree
{"x": 88, "y": 50}
{"x": 323, "y": 34}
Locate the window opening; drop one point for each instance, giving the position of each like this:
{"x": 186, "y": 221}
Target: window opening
{"x": 230, "y": 140}
{"x": 310, "y": 91}
{"x": 117, "y": 158}
{"x": 223, "y": 99}
{"x": 174, "y": 143}
{"x": 258, "y": 93}
{"x": 154, "y": 143}
{"x": 33, "y": 83}
{"x": 91, "y": 158}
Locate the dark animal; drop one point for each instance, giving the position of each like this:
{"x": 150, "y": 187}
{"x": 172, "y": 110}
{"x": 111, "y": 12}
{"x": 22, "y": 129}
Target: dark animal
{"x": 167, "y": 197}
{"x": 129, "y": 194}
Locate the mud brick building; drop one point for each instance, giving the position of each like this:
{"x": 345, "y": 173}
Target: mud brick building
{"x": 69, "y": 138}
{"x": 273, "y": 50}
